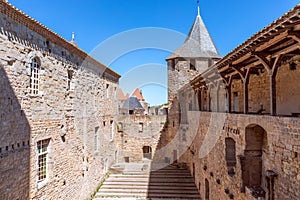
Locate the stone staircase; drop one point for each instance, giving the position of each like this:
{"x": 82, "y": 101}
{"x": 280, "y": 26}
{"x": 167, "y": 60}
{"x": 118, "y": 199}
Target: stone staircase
{"x": 168, "y": 183}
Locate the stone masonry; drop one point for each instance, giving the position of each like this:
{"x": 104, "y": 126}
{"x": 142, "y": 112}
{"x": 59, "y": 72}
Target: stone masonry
{"x": 72, "y": 112}
{"x": 236, "y": 124}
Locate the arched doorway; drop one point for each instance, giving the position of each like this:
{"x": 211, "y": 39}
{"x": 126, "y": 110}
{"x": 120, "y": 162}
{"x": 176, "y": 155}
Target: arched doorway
{"x": 147, "y": 152}
{"x": 252, "y": 165}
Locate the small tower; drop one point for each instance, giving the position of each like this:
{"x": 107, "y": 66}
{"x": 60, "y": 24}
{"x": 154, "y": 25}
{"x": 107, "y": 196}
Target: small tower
{"x": 196, "y": 54}
{"x": 73, "y": 39}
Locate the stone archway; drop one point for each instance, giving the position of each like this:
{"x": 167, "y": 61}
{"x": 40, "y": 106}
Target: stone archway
{"x": 252, "y": 163}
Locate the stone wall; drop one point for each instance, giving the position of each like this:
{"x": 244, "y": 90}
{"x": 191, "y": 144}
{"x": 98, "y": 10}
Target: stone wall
{"x": 75, "y": 113}
{"x": 207, "y": 154}
{"x": 135, "y": 132}
{"x": 179, "y": 73}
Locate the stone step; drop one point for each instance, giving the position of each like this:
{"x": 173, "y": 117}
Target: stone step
{"x": 151, "y": 190}
{"x": 153, "y": 176}
{"x": 153, "y": 180}
{"x": 121, "y": 184}
{"x": 157, "y": 187}
{"x": 144, "y": 195}
{"x": 167, "y": 183}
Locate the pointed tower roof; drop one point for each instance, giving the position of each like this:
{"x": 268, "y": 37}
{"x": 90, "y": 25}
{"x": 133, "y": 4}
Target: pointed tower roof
{"x": 198, "y": 43}
{"x": 121, "y": 95}
{"x": 138, "y": 94}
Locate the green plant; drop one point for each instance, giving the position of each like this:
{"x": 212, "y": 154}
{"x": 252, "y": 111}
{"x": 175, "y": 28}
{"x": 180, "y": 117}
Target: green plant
{"x": 100, "y": 185}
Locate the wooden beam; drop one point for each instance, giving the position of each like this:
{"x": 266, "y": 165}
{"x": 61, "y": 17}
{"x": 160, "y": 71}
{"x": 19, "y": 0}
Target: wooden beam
{"x": 266, "y": 63}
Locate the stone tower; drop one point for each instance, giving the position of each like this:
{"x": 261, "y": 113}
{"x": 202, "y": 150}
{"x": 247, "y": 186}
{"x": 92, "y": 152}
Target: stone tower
{"x": 196, "y": 54}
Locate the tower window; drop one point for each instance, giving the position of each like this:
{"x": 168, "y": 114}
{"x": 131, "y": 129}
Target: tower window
{"x": 171, "y": 64}
{"x": 192, "y": 64}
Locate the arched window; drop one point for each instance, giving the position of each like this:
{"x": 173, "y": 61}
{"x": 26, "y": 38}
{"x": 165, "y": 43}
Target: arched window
{"x": 34, "y": 76}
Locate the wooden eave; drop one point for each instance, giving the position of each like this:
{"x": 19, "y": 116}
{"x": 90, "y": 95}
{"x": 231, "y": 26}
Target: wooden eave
{"x": 280, "y": 37}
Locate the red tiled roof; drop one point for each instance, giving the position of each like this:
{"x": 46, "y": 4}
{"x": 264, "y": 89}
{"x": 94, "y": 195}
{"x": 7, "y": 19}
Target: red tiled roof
{"x": 137, "y": 93}
{"x": 121, "y": 95}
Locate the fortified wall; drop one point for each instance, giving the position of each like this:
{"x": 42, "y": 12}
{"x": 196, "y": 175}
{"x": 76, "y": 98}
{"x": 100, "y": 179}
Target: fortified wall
{"x": 236, "y": 124}
{"x": 57, "y": 113}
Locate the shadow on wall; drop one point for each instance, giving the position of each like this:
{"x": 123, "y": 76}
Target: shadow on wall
{"x": 14, "y": 144}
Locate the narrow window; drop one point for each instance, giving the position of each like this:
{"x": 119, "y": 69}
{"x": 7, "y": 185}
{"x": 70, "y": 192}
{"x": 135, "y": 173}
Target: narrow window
{"x": 206, "y": 189}
{"x": 141, "y": 126}
{"x": 115, "y": 92}
{"x": 192, "y": 64}
{"x": 34, "y": 76}
{"x": 171, "y": 64}
{"x": 107, "y": 90}
{"x": 42, "y": 147}
{"x": 70, "y": 76}
{"x": 112, "y": 130}
{"x": 120, "y": 127}
{"x": 96, "y": 138}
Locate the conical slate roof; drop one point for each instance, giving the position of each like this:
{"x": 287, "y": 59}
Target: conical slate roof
{"x": 132, "y": 103}
{"x": 198, "y": 43}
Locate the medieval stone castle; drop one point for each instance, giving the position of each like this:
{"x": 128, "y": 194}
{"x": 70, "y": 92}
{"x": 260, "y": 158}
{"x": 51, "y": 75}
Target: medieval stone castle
{"x": 231, "y": 129}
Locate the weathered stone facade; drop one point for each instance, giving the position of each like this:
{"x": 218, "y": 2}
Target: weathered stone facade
{"x": 137, "y": 132}
{"x": 236, "y": 125}
{"x": 57, "y": 111}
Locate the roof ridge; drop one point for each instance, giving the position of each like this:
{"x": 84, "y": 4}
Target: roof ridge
{"x": 7, "y": 8}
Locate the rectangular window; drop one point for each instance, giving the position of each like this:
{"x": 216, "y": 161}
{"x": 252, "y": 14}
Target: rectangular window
{"x": 34, "y": 76}
{"x": 96, "y": 138}
{"x": 42, "y": 147}
{"x": 107, "y": 90}
{"x": 141, "y": 127}
{"x": 112, "y": 130}
{"x": 115, "y": 92}
{"x": 69, "y": 81}
{"x": 192, "y": 64}
{"x": 171, "y": 64}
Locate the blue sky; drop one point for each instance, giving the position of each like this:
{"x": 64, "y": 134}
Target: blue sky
{"x": 229, "y": 22}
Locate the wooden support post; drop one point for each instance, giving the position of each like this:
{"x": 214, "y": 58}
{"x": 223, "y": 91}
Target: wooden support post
{"x": 229, "y": 97}
{"x": 245, "y": 96}
{"x": 272, "y": 94}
